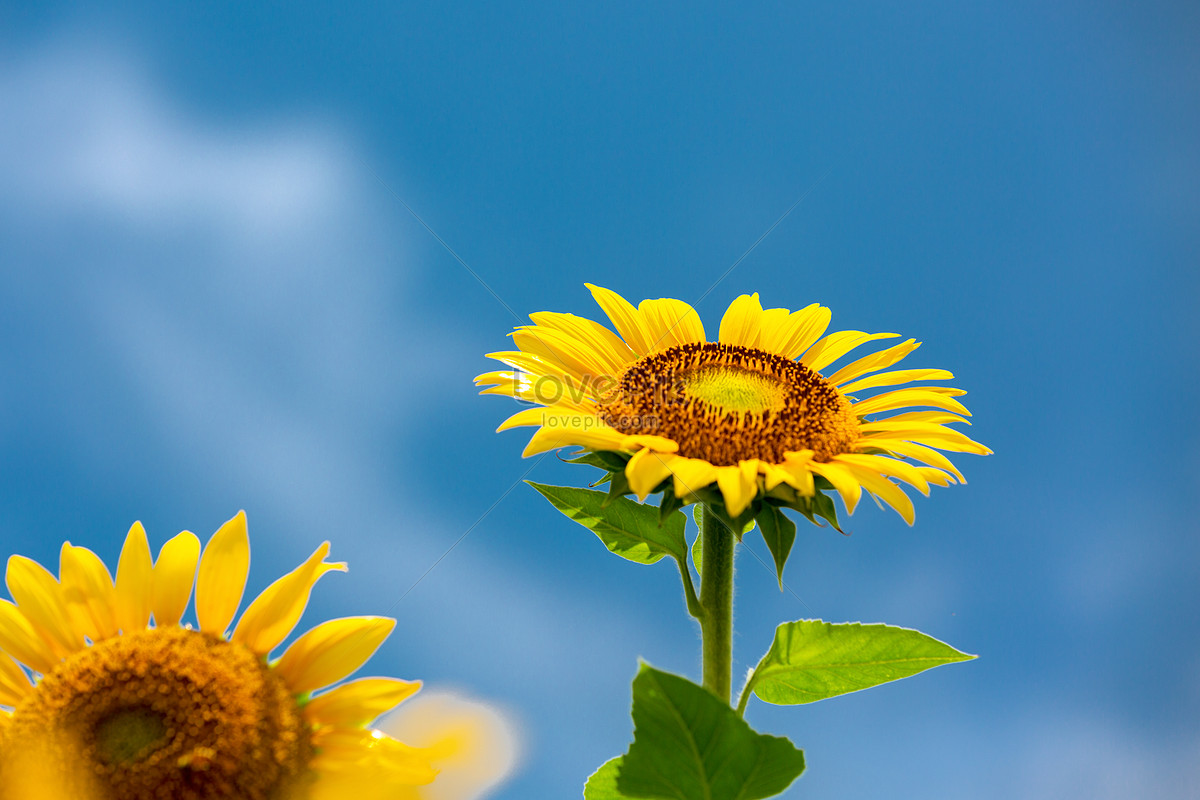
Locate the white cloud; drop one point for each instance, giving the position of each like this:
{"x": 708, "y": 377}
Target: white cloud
{"x": 238, "y": 272}
{"x": 86, "y": 130}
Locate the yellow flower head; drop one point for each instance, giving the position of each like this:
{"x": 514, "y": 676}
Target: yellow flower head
{"x": 753, "y": 413}
{"x": 119, "y": 709}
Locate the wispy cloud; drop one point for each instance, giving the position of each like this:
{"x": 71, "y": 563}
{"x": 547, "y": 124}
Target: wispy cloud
{"x": 238, "y": 272}
{"x": 241, "y": 288}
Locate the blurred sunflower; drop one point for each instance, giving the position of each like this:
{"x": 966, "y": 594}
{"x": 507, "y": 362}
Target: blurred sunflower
{"x": 752, "y": 413}
{"x": 121, "y": 710}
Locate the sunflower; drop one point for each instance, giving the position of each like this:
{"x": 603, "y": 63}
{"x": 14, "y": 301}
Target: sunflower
{"x": 755, "y": 414}
{"x": 119, "y": 709}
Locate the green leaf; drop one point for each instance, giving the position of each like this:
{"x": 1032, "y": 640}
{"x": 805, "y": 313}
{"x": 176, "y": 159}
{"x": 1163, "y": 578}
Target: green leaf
{"x": 629, "y": 529}
{"x": 698, "y": 516}
{"x": 779, "y": 533}
{"x": 602, "y": 785}
{"x": 811, "y": 660}
{"x": 688, "y": 744}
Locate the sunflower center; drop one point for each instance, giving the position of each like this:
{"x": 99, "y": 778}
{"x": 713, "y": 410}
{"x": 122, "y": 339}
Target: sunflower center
{"x": 733, "y": 389}
{"x": 128, "y": 733}
{"x": 170, "y": 714}
{"x": 726, "y": 403}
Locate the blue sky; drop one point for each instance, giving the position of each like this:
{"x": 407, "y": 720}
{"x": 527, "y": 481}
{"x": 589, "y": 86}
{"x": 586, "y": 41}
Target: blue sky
{"x": 212, "y": 297}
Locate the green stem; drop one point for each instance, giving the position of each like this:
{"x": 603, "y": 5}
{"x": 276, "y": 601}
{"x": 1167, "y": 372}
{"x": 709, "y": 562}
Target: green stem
{"x": 716, "y": 600}
{"x": 742, "y": 700}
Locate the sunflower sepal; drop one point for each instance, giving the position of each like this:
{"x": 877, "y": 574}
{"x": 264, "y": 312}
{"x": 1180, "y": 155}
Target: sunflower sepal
{"x": 823, "y": 507}
{"x": 618, "y": 486}
{"x": 779, "y": 533}
{"x": 820, "y": 505}
{"x": 668, "y": 506}
{"x": 711, "y": 499}
{"x": 740, "y": 525}
{"x": 607, "y": 460}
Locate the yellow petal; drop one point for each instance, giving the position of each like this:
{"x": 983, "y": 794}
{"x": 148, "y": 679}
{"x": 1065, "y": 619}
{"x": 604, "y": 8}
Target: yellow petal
{"x": 563, "y": 351}
{"x": 606, "y": 344}
{"x": 523, "y": 418}
{"x": 555, "y": 416}
{"x": 887, "y": 466}
{"x": 545, "y": 390}
{"x": 925, "y": 416}
{"x": 886, "y": 491}
{"x": 39, "y": 597}
{"x": 18, "y": 637}
{"x": 533, "y": 369}
{"x": 646, "y": 470}
{"x": 88, "y": 591}
{"x": 905, "y": 398}
{"x": 929, "y": 433}
{"x": 135, "y": 581}
{"x": 358, "y": 702}
{"x": 773, "y": 475}
{"x": 473, "y": 744}
{"x": 582, "y": 430}
{"x": 331, "y": 651}
{"x": 920, "y": 453}
{"x": 739, "y": 485}
{"x": 936, "y": 476}
{"x": 774, "y": 325}
{"x": 527, "y": 363}
{"x": 503, "y": 382}
{"x": 358, "y": 784}
{"x": 222, "y": 578}
{"x": 843, "y": 481}
{"x": 692, "y": 475}
{"x": 803, "y": 328}
{"x": 275, "y": 612}
{"x": 873, "y": 362}
{"x": 174, "y": 575}
{"x": 836, "y": 345}
{"x": 639, "y": 440}
{"x": 670, "y": 322}
{"x": 625, "y": 318}
{"x": 799, "y": 475}
{"x": 740, "y": 325}
{"x": 14, "y": 683}
{"x": 897, "y": 377}
{"x": 362, "y": 763}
